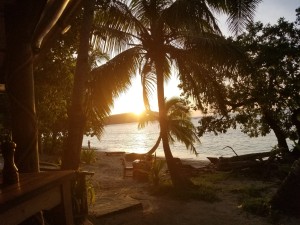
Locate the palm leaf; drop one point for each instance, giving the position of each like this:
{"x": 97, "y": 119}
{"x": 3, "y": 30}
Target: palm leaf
{"x": 111, "y": 79}
{"x": 120, "y": 25}
{"x": 146, "y": 117}
{"x": 148, "y": 79}
{"x": 240, "y": 12}
{"x": 193, "y": 15}
{"x": 180, "y": 126}
{"x": 184, "y": 131}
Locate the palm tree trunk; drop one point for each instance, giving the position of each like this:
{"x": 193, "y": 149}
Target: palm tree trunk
{"x": 178, "y": 180}
{"x": 162, "y": 111}
{"x": 77, "y": 119}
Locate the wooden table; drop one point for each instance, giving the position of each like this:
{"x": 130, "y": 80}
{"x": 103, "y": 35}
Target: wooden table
{"x": 36, "y": 192}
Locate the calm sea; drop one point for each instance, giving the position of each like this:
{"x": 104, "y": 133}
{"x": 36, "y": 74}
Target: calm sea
{"x": 127, "y": 137}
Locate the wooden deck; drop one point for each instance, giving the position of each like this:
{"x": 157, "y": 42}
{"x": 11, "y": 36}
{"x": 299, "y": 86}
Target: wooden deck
{"x": 113, "y": 206}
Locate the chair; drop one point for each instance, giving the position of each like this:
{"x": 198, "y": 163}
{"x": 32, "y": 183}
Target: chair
{"x": 126, "y": 168}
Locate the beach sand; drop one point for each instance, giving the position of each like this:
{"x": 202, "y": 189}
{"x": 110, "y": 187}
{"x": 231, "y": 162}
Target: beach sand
{"x": 128, "y": 202}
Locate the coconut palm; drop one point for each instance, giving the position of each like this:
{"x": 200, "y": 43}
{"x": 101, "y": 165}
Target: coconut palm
{"x": 180, "y": 126}
{"x": 151, "y": 36}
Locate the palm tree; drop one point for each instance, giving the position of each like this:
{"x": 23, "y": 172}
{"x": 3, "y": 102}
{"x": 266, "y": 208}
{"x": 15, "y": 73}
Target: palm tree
{"x": 180, "y": 126}
{"x": 154, "y": 35}
{"x": 77, "y": 115}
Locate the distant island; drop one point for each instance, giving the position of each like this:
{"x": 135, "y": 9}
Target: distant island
{"x": 122, "y": 118}
{"x": 129, "y": 118}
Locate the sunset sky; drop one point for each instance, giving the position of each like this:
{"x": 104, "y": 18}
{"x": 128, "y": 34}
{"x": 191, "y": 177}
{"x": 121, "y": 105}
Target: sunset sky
{"x": 269, "y": 11}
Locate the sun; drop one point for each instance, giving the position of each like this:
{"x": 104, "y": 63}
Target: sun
{"x": 132, "y": 100}
{"x": 127, "y": 105}
{"x": 138, "y": 109}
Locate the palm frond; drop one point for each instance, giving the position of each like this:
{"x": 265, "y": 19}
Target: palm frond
{"x": 202, "y": 78}
{"x": 241, "y": 12}
{"x": 185, "y": 132}
{"x": 167, "y": 68}
{"x": 176, "y": 105}
{"x": 111, "y": 79}
{"x": 194, "y": 16}
{"x": 149, "y": 11}
{"x": 117, "y": 41}
{"x": 204, "y": 84}
{"x": 119, "y": 24}
{"x": 147, "y": 117}
{"x": 148, "y": 80}
{"x": 180, "y": 126}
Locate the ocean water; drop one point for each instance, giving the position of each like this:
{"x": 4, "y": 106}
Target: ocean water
{"x": 127, "y": 137}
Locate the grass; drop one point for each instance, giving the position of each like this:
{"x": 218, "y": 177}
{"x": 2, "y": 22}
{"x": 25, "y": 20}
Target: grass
{"x": 204, "y": 192}
{"x": 258, "y": 206}
{"x": 212, "y": 178}
{"x": 252, "y": 190}
{"x": 200, "y": 192}
{"x": 254, "y": 198}
{"x": 205, "y": 189}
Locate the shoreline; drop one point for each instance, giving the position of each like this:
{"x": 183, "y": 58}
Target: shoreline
{"x": 197, "y": 163}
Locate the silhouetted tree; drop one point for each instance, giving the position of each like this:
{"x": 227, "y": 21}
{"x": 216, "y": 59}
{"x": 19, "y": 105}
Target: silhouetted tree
{"x": 261, "y": 95}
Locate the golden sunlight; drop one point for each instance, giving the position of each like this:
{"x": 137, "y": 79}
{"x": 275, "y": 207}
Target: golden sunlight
{"x": 138, "y": 109}
{"x": 132, "y": 100}
{"x": 129, "y": 102}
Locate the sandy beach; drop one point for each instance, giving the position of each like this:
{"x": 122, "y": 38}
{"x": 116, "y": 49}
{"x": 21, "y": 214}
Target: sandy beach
{"x": 112, "y": 190}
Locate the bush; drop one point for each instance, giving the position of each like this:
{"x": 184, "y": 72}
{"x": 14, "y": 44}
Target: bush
{"x": 88, "y": 156}
{"x": 155, "y": 171}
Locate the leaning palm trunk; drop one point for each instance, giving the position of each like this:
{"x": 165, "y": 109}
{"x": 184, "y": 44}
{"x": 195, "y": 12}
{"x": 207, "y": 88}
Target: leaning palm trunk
{"x": 153, "y": 149}
{"x": 77, "y": 118}
{"x": 287, "y": 197}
